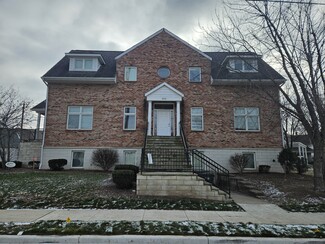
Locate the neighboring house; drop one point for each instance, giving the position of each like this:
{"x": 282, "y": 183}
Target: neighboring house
{"x": 113, "y": 99}
{"x": 16, "y": 138}
{"x": 302, "y": 145}
{"x": 30, "y": 150}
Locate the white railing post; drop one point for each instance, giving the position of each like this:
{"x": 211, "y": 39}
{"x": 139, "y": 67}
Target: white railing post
{"x": 149, "y": 117}
{"x": 178, "y": 117}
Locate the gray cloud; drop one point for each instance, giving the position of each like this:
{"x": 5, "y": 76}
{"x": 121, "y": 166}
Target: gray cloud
{"x": 35, "y": 34}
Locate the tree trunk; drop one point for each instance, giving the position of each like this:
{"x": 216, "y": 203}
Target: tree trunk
{"x": 323, "y": 157}
{"x": 318, "y": 166}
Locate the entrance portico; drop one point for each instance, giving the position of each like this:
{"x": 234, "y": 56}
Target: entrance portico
{"x": 162, "y": 101}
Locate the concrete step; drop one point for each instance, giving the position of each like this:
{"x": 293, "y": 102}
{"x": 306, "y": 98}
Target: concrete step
{"x": 165, "y": 146}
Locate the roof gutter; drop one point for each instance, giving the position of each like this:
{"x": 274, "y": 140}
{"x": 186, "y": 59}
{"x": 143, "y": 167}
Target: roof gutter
{"x": 80, "y": 80}
{"x": 231, "y": 82}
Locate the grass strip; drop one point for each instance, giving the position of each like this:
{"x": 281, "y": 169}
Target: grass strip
{"x": 304, "y": 207}
{"x": 129, "y": 203}
{"x": 163, "y": 228}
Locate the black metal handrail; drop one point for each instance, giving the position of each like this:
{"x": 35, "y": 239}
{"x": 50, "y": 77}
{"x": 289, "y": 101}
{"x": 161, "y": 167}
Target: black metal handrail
{"x": 188, "y": 160}
{"x": 165, "y": 159}
{"x": 143, "y": 150}
{"x": 183, "y": 136}
{"x": 185, "y": 144}
{"x": 210, "y": 170}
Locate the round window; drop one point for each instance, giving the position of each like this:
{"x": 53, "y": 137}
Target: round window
{"x": 163, "y": 72}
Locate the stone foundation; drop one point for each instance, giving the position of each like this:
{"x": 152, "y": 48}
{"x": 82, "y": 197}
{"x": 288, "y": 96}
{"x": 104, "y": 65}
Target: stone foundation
{"x": 177, "y": 185}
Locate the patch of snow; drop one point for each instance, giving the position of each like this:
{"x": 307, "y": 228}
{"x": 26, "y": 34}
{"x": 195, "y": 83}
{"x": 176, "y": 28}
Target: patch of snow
{"x": 314, "y": 200}
{"x": 269, "y": 190}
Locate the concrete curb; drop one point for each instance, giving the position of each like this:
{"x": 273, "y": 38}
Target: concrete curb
{"x": 149, "y": 239}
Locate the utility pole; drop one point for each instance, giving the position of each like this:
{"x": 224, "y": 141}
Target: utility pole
{"x": 22, "y": 122}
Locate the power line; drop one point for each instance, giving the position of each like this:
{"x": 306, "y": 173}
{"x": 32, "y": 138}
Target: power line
{"x": 286, "y": 1}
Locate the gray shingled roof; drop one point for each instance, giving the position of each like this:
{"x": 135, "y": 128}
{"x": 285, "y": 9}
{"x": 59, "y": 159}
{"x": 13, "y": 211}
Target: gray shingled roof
{"x": 219, "y": 71}
{"x": 41, "y": 105}
{"x": 61, "y": 69}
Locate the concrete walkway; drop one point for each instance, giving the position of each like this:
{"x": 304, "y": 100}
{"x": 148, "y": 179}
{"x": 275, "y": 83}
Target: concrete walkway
{"x": 256, "y": 211}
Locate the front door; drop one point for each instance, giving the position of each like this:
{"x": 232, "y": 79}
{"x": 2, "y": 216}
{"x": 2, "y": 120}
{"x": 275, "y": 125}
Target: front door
{"x": 164, "y": 122}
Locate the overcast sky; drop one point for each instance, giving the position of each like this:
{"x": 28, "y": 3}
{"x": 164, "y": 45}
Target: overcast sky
{"x": 35, "y": 34}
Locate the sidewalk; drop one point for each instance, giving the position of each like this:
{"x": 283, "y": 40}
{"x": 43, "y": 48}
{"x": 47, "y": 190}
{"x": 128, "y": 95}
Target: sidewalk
{"x": 257, "y": 211}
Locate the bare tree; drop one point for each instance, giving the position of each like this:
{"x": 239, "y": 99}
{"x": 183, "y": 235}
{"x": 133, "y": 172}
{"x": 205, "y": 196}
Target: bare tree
{"x": 14, "y": 113}
{"x": 291, "y": 35}
{"x": 291, "y": 127}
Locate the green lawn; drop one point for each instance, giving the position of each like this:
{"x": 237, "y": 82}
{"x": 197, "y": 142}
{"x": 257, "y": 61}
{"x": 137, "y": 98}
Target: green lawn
{"x": 163, "y": 228}
{"x": 84, "y": 189}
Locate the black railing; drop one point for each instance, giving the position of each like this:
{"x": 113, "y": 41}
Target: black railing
{"x": 165, "y": 159}
{"x": 183, "y": 136}
{"x": 210, "y": 170}
{"x": 144, "y": 149}
{"x": 184, "y": 160}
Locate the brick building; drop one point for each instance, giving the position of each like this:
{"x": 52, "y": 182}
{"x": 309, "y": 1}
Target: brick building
{"x": 111, "y": 99}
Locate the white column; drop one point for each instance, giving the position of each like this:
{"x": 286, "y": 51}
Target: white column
{"x": 178, "y": 117}
{"x": 149, "y": 117}
{"x": 38, "y": 126}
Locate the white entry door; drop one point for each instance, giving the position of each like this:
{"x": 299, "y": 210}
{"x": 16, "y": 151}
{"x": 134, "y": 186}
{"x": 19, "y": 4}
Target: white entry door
{"x": 164, "y": 122}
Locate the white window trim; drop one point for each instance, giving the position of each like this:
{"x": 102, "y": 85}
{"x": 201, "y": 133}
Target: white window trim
{"x": 72, "y": 152}
{"x": 254, "y": 156}
{"x": 202, "y": 115}
{"x": 80, "y": 115}
{"x": 233, "y": 69}
{"x": 128, "y": 151}
{"x": 246, "y": 125}
{"x": 189, "y": 74}
{"x": 95, "y": 64}
{"x": 136, "y": 72}
{"x": 135, "y": 117}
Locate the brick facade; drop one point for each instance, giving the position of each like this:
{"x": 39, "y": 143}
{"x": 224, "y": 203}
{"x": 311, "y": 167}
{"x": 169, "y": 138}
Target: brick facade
{"x": 109, "y": 101}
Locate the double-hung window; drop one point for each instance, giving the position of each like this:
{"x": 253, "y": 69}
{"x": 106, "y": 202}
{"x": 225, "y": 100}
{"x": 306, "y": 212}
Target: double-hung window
{"x": 251, "y": 160}
{"x": 247, "y": 119}
{"x": 243, "y": 65}
{"x": 83, "y": 64}
{"x": 80, "y": 118}
{"x": 197, "y": 119}
{"x": 129, "y": 118}
{"x": 130, "y": 157}
{"x": 194, "y": 74}
{"x": 130, "y": 73}
{"x": 78, "y": 159}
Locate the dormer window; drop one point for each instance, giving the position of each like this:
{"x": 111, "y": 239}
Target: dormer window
{"x": 243, "y": 65}
{"x": 85, "y": 62}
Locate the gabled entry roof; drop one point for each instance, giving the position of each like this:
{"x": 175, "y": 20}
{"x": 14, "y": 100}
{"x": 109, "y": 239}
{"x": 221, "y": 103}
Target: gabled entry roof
{"x": 164, "y": 92}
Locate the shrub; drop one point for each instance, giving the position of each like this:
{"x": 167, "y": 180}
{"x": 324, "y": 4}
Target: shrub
{"x": 57, "y": 164}
{"x": 104, "y": 158}
{"x": 287, "y": 159}
{"x": 264, "y": 168}
{"x": 301, "y": 166}
{"x": 134, "y": 168}
{"x": 18, "y": 164}
{"x": 123, "y": 178}
{"x": 34, "y": 163}
{"x": 238, "y": 162}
